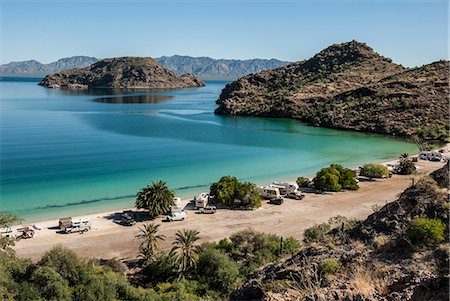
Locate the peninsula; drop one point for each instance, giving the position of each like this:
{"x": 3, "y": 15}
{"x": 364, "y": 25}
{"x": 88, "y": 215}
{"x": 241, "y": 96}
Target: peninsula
{"x": 121, "y": 72}
{"x": 348, "y": 86}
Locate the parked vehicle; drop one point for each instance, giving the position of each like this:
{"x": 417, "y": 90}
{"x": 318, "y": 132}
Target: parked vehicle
{"x": 432, "y": 156}
{"x": 269, "y": 192}
{"x": 177, "y": 206}
{"x": 126, "y": 220}
{"x": 8, "y": 233}
{"x": 25, "y": 232}
{"x": 78, "y": 225}
{"x": 276, "y": 201}
{"x": 176, "y": 216}
{"x": 285, "y": 187}
{"x": 208, "y": 210}
{"x": 65, "y": 222}
{"x": 201, "y": 200}
{"x": 295, "y": 196}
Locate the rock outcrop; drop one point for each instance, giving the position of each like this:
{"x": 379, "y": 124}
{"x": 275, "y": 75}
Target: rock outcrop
{"x": 122, "y": 72}
{"x": 378, "y": 262}
{"x": 348, "y": 86}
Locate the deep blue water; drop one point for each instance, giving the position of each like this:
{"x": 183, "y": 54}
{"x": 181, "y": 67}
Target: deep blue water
{"x": 74, "y": 152}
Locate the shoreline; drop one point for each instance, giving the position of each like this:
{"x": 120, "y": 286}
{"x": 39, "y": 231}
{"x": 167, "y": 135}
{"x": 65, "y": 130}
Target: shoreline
{"x": 290, "y": 219}
{"x": 102, "y": 211}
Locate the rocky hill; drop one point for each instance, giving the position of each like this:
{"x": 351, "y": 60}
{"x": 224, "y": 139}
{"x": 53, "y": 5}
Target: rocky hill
{"x": 122, "y": 72}
{"x": 35, "y": 68}
{"x": 348, "y": 86}
{"x": 213, "y": 69}
{"x": 371, "y": 260}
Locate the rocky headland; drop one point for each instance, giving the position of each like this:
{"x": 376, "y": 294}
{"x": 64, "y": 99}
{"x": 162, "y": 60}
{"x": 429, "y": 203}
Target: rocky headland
{"x": 121, "y": 72}
{"x": 348, "y": 86}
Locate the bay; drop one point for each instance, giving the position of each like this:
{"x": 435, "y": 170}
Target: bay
{"x": 67, "y": 153}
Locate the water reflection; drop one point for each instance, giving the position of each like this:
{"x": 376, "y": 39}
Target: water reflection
{"x": 146, "y": 98}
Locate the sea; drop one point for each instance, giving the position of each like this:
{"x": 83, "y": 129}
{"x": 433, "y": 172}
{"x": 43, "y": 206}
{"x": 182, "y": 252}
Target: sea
{"x": 67, "y": 153}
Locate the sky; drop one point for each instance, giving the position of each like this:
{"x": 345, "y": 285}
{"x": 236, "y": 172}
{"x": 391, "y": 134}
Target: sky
{"x": 411, "y": 32}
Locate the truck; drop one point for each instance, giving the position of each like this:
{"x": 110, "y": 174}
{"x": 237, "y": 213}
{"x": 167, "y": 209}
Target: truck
{"x": 82, "y": 224}
{"x": 176, "y": 216}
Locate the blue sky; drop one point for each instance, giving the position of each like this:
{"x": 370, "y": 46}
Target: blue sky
{"x": 410, "y": 32}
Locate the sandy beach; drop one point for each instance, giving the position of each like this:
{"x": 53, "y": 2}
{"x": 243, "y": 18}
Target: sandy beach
{"x": 110, "y": 240}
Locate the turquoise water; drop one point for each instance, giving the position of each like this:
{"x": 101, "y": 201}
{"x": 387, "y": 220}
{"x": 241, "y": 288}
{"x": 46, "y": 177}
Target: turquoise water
{"x": 67, "y": 153}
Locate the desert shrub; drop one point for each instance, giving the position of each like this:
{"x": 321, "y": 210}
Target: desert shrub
{"x": 162, "y": 269}
{"x": 66, "y": 263}
{"x": 303, "y": 182}
{"x": 329, "y": 266}
{"x": 254, "y": 249}
{"x": 335, "y": 178}
{"x": 374, "y": 171}
{"x": 217, "y": 271}
{"x": 317, "y": 232}
{"x": 226, "y": 246}
{"x": 229, "y": 191}
{"x": 406, "y": 167}
{"x": 426, "y": 231}
{"x": 342, "y": 223}
{"x": 52, "y": 286}
{"x": 291, "y": 245}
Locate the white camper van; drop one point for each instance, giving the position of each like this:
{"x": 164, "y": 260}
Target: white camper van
{"x": 269, "y": 192}
{"x": 201, "y": 200}
{"x": 177, "y": 206}
{"x": 285, "y": 187}
{"x": 8, "y": 233}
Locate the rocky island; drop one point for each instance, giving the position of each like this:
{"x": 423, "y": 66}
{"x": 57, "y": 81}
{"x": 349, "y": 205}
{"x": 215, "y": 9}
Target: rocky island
{"x": 348, "y": 86}
{"x": 121, "y": 72}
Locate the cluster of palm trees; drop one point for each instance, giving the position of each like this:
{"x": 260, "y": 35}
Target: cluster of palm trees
{"x": 184, "y": 251}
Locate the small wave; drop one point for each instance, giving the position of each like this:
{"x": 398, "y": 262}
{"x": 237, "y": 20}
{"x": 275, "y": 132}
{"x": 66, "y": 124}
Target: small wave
{"x": 82, "y": 202}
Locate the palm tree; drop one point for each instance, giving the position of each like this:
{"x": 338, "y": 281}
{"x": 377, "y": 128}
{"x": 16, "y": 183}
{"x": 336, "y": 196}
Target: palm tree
{"x": 150, "y": 241}
{"x": 157, "y": 198}
{"x": 185, "y": 250}
{"x": 404, "y": 156}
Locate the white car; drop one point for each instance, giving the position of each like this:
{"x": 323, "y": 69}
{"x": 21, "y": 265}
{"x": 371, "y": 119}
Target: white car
{"x": 176, "y": 216}
{"x": 208, "y": 210}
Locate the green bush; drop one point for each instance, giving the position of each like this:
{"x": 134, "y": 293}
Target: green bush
{"x": 217, "y": 271}
{"x": 229, "y": 191}
{"x": 406, "y": 167}
{"x": 317, "y": 232}
{"x": 303, "y": 182}
{"x": 426, "y": 231}
{"x": 335, "y": 178}
{"x": 329, "y": 266}
{"x": 372, "y": 170}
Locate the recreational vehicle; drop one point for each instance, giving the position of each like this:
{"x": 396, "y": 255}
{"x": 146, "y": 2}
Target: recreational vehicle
{"x": 7, "y": 232}
{"x": 269, "y": 192}
{"x": 177, "y": 206}
{"x": 82, "y": 224}
{"x": 285, "y": 187}
{"x": 201, "y": 200}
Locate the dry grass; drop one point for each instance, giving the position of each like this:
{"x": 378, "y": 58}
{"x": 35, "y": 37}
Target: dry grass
{"x": 380, "y": 241}
{"x": 366, "y": 282}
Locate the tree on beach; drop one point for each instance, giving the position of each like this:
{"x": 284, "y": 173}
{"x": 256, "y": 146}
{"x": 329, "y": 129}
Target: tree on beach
{"x": 186, "y": 250}
{"x": 157, "y": 198}
{"x": 233, "y": 193}
{"x": 7, "y": 220}
{"x": 150, "y": 241}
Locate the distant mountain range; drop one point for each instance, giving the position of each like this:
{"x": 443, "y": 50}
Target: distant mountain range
{"x": 209, "y": 68}
{"x": 35, "y": 68}
{"x": 203, "y": 67}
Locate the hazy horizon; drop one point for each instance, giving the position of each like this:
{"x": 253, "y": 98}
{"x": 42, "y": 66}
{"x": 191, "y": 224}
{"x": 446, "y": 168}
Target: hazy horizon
{"x": 412, "y": 33}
